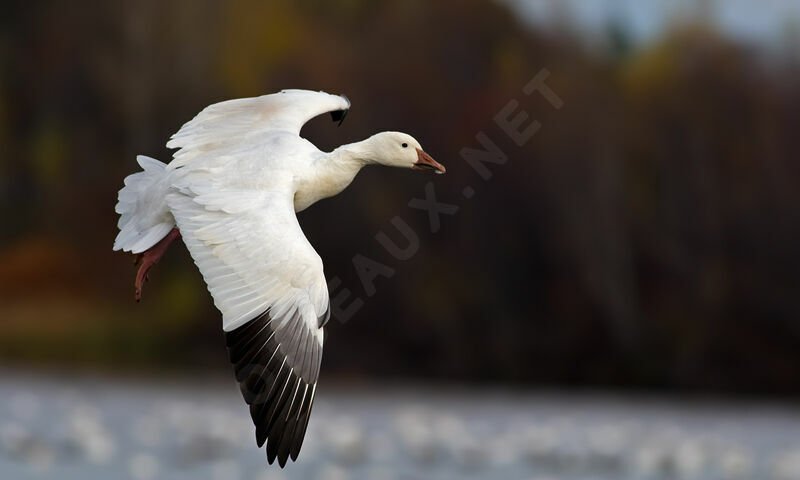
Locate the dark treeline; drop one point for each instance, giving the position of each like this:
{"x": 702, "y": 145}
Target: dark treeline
{"x": 647, "y": 235}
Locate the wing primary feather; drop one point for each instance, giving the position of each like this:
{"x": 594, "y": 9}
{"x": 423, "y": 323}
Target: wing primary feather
{"x": 242, "y": 359}
{"x": 272, "y": 441}
{"x": 286, "y": 428}
{"x": 294, "y": 397}
{"x": 301, "y": 433}
{"x": 278, "y": 405}
{"x": 302, "y": 348}
{"x": 297, "y": 425}
{"x": 302, "y": 401}
{"x": 261, "y": 411}
{"x": 253, "y": 385}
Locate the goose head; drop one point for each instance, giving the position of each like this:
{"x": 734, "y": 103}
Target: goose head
{"x": 397, "y": 149}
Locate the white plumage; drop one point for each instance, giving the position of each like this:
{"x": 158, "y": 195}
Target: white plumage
{"x": 144, "y": 218}
{"x": 240, "y": 172}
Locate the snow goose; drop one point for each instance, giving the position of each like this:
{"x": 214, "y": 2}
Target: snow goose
{"x": 240, "y": 173}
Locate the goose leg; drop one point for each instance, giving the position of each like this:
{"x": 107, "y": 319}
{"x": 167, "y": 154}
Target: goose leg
{"x": 150, "y": 257}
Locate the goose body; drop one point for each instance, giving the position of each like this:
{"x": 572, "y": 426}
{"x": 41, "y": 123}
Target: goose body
{"x": 240, "y": 172}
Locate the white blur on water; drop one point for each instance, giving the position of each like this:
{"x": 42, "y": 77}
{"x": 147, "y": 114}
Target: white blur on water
{"x": 53, "y": 427}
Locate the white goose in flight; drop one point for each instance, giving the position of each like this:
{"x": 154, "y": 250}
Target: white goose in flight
{"x": 240, "y": 173}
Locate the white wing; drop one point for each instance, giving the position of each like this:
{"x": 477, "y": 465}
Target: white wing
{"x": 268, "y": 282}
{"x": 225, "y": 124}
{"x": 233, "y": 202}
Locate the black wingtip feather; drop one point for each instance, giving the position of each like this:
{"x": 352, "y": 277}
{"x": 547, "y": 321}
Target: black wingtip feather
{"x": 338, "y": 116}
{"x": 279, "y": 396}
{"x": 301, "y": 423}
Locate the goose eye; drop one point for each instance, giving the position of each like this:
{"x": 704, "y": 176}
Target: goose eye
{"x": 405, "y": 145}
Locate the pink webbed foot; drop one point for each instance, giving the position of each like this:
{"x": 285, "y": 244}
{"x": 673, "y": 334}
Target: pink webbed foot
{"x": 150, "y": 257}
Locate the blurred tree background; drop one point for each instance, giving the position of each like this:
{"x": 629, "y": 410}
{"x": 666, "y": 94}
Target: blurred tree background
{"x": 646, "y": 237}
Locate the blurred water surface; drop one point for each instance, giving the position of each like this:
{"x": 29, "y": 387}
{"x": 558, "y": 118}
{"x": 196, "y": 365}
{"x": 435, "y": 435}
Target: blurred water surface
{"x": 93, "y": 428}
